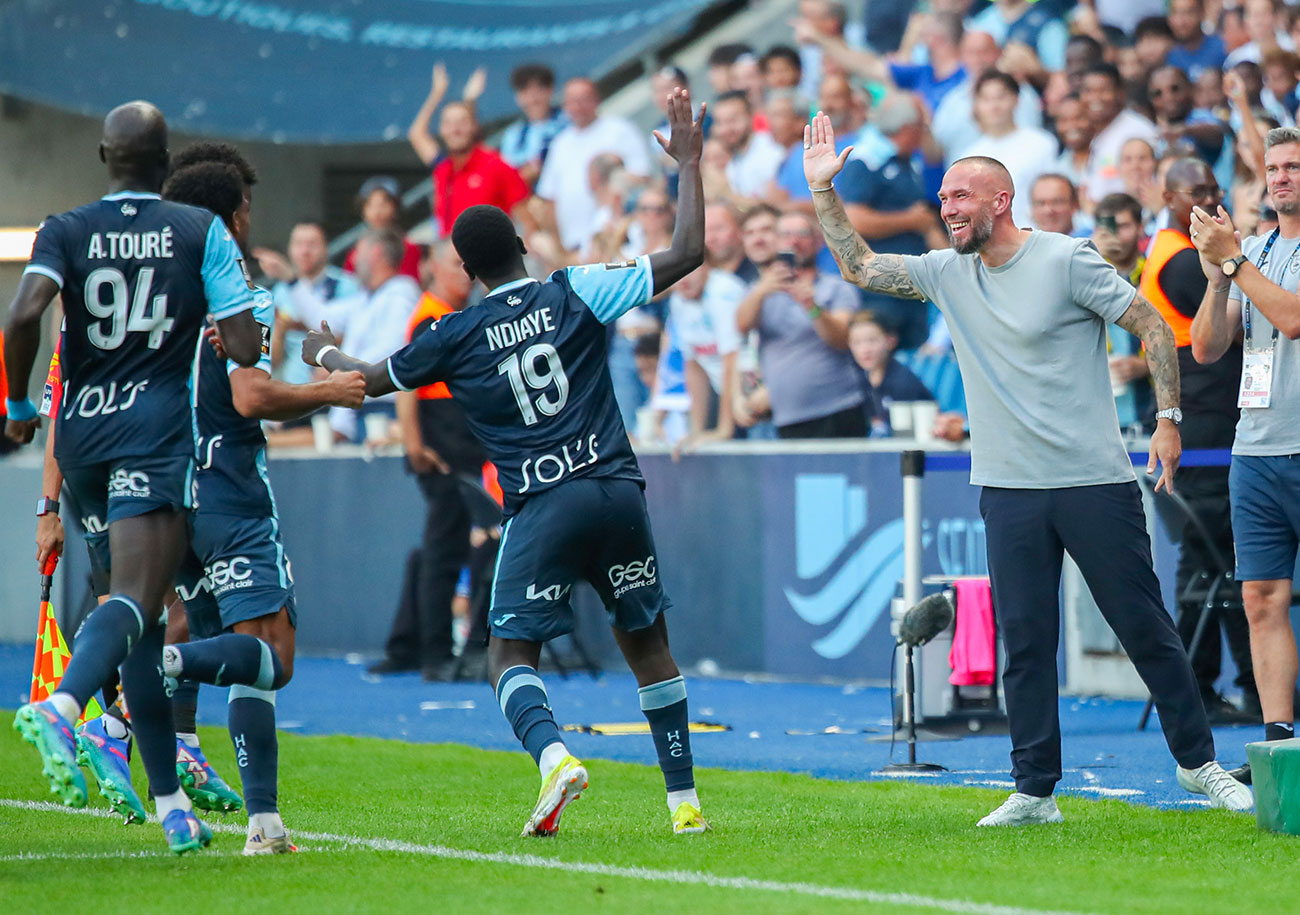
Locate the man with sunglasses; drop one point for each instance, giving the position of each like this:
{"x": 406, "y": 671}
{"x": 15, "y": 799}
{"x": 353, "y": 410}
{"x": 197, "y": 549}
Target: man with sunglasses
{"x": 1183, "y": 126}
{"x": 1174, "y": 283}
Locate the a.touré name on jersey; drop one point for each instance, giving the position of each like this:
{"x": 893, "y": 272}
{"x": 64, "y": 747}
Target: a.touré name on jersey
{"x": 156, "y": 243}
{"x": 510, "y": 333}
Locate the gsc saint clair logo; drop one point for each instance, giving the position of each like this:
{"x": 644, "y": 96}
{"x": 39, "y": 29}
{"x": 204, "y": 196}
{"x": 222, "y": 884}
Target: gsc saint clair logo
{"x": 830, "y": 516}
{"x": 128, "y": 484}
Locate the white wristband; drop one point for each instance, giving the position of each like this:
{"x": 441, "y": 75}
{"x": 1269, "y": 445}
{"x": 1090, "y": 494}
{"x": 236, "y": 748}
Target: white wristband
{"x": 323, "y": 350}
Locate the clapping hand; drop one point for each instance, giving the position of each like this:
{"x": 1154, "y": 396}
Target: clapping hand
{"x": 1215, "y": 237}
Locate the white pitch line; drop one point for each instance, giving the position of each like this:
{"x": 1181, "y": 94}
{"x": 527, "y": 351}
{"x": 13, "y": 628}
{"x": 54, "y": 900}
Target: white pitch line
{"x": 697, "y": 878}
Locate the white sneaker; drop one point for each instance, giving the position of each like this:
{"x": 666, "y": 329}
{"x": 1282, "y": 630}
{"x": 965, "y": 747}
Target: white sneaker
{"x": 259, "y": 843}
{"x": 1221, "y": 788}
{"x": 1024, "y": 810}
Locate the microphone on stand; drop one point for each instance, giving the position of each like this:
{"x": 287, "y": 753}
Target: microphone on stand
{"x": 919, "y": 625}
{"x": 927, "y": 619}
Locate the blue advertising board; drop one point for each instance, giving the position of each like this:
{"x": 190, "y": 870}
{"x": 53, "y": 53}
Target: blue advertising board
{"x": 308, "y": 71}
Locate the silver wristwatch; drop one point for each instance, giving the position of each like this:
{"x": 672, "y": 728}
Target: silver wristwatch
{"x": 1173, "y": 413}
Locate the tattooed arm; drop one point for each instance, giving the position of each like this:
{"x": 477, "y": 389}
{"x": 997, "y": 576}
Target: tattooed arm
{"x": 884, "y": 273}
{"x": 1144, "y": 322}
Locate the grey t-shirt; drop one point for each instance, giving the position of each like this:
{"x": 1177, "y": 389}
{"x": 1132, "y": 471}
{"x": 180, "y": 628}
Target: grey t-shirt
{"x": 1275, "y": 429}
{"x": 1030, "y": 338}
{"x": 805, "y": 377}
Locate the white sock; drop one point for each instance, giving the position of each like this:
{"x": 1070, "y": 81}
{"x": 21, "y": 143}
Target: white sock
{"x": 115, "y": 727}
{"x": 269, "y": 823}
{"x": 66, "y": 706}
{"x": 190, "y": 740}
{"x": 171, "y": 661}
{"x": 552, "y": 756}
{"x": 677, "y": 798}
{"x": 178, "y": 800}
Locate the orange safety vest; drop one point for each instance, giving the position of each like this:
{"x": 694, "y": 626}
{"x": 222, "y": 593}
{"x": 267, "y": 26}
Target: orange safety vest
{"x": 429, "y": 308}
{"x": 1168, "y": 243}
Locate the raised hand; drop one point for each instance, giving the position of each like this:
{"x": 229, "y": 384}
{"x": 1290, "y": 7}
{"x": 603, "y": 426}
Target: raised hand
{"x": 685, "y": 141}
{"x": 475, "y": 85}
{"x": 440, "y": 80}
{"x": 820, "y": 162}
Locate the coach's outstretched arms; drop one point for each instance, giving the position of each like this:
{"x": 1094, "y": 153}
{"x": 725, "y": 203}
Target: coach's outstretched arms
{"x": 884, "y": 273}
{"x": 684, "y": 143}
{"x": 321, "y": 348}
{"x": 22, "y": 338}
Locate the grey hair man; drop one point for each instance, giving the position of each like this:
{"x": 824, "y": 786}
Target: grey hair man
{"x": 1028, "y": 314}
{"x": 1252, "y": 287}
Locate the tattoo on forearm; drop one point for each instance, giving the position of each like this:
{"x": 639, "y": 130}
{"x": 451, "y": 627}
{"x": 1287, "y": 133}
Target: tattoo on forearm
{"x": 884, "y": 273}
{"x": 1144, "y": 322}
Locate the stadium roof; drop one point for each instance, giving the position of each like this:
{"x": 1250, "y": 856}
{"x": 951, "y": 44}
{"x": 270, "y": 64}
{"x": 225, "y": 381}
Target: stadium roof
{"x": 309, "y": 71}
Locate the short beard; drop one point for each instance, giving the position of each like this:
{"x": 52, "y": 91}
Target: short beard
{"x": 1287, "y": 208}
{"x": 981, "y": 230}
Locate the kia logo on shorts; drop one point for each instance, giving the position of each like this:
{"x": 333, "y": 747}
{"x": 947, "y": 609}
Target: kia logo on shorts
{"x": 632, "y": 572}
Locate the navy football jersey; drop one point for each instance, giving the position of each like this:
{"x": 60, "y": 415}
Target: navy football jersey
{"x": 230, "y": 468}
{"x": 529, "y": 366}
{"x": 138, "y": 275}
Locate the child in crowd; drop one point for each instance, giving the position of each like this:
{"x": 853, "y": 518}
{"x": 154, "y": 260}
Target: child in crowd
{"x": 872, "y": 342}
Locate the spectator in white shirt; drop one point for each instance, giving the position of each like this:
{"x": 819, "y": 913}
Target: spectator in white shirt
{"x": 307, "y": 284}
{"x": 703, "y": 307}
{"x": 564, "y": 181}
{"x": 1027, "y": 152}
{"x": 375, "y": 322}
{"x": 753, "y": 157}
{"x": 953, "y": 124}
{"x": 1103, "y": 99}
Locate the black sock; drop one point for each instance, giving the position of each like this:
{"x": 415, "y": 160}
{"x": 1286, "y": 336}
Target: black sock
{"x": 151, "y": 713}
{"x": 185, "y": 706}
{"x": 1279, "y": 730}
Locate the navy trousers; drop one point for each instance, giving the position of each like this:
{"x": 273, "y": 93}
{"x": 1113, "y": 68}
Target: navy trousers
{"x": 1103, "y": 528}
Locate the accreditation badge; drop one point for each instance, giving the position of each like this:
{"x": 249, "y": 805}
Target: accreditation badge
{"x": 1256, "y": 379}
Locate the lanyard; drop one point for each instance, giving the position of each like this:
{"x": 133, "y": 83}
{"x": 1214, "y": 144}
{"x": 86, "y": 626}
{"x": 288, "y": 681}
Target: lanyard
{"x": 1245, "y": 304}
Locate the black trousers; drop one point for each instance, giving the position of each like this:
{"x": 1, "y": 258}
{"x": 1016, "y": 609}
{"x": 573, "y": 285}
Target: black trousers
{"x": 1104, "y": 530}
{"x": 421, "y": 633}
{"x": 850, "y": 423}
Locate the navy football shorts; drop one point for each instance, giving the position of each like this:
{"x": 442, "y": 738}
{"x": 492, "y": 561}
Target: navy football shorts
{"x": 595, "y": 530}
{"x": 244, "y": 566}
{"x": 125, "y": 488}
{"x": 1265, "y": 502}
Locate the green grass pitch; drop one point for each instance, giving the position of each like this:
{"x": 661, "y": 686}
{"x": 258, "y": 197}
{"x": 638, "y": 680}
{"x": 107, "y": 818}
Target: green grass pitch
{"x": 390, "y": 826}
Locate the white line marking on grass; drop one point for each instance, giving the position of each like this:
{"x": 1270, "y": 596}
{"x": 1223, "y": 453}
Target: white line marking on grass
{"x": 1107, "y": 792}
{"x": 697, "y": 878}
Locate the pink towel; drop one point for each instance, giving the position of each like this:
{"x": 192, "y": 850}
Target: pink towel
{"x": 973, "y": 657}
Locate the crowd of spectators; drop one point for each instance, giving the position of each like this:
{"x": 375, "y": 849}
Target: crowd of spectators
{"x": 1087, "y": 104}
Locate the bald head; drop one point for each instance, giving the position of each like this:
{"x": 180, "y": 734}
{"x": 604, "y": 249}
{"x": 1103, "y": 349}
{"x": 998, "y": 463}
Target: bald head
{"x": 1189, "y": 183}
{"x": 990, "y": 173}
{"x": 134, "y": 146}
{"x": 975, "y": 199}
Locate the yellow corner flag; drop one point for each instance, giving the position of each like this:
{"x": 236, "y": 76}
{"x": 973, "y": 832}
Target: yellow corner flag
{"x": 52, "y": 654}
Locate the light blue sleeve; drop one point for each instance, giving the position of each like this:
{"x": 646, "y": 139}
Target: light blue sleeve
{"x": 1051, "y": 45}
{"x": 225, "y": 282}
{"x": 264, "y": 315}
{"x": 612, "y": 290}
{"x": 282, "y": 296}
